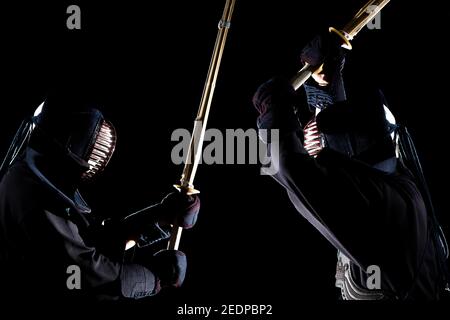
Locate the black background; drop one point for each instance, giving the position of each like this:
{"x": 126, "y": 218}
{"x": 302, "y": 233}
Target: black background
{"x": 146, "y": 65}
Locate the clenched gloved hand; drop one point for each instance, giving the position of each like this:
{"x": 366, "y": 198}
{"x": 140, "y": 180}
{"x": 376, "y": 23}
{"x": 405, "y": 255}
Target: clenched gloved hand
{"x": 166, "y": 268}
{"x": 169, "y": 266}
{"x": 274, "y": 101}
{"x": 179, "y": 209}
{"x": 328, "y": 88}
{"x": 144, "y": 226}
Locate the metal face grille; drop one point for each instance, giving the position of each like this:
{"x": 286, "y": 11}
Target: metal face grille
{"x": 102, "y": 150}
{"x": 313, "y": 138}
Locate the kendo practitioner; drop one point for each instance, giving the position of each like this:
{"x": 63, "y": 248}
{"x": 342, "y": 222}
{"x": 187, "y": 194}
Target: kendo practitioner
{"x": 352, "y": 172}
{"x": 46, "y": 227}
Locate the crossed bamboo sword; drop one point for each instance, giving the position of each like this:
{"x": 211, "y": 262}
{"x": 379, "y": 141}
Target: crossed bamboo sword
{"x": 186, "y": 185}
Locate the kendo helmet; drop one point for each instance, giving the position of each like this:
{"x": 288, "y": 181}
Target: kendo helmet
{"x": 74, "y": 130}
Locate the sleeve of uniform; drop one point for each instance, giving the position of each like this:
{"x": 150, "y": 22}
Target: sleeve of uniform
{"x": 98, "y": 270}
{"x": 153, "y": 224}
{"x": 331, "y": 184}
